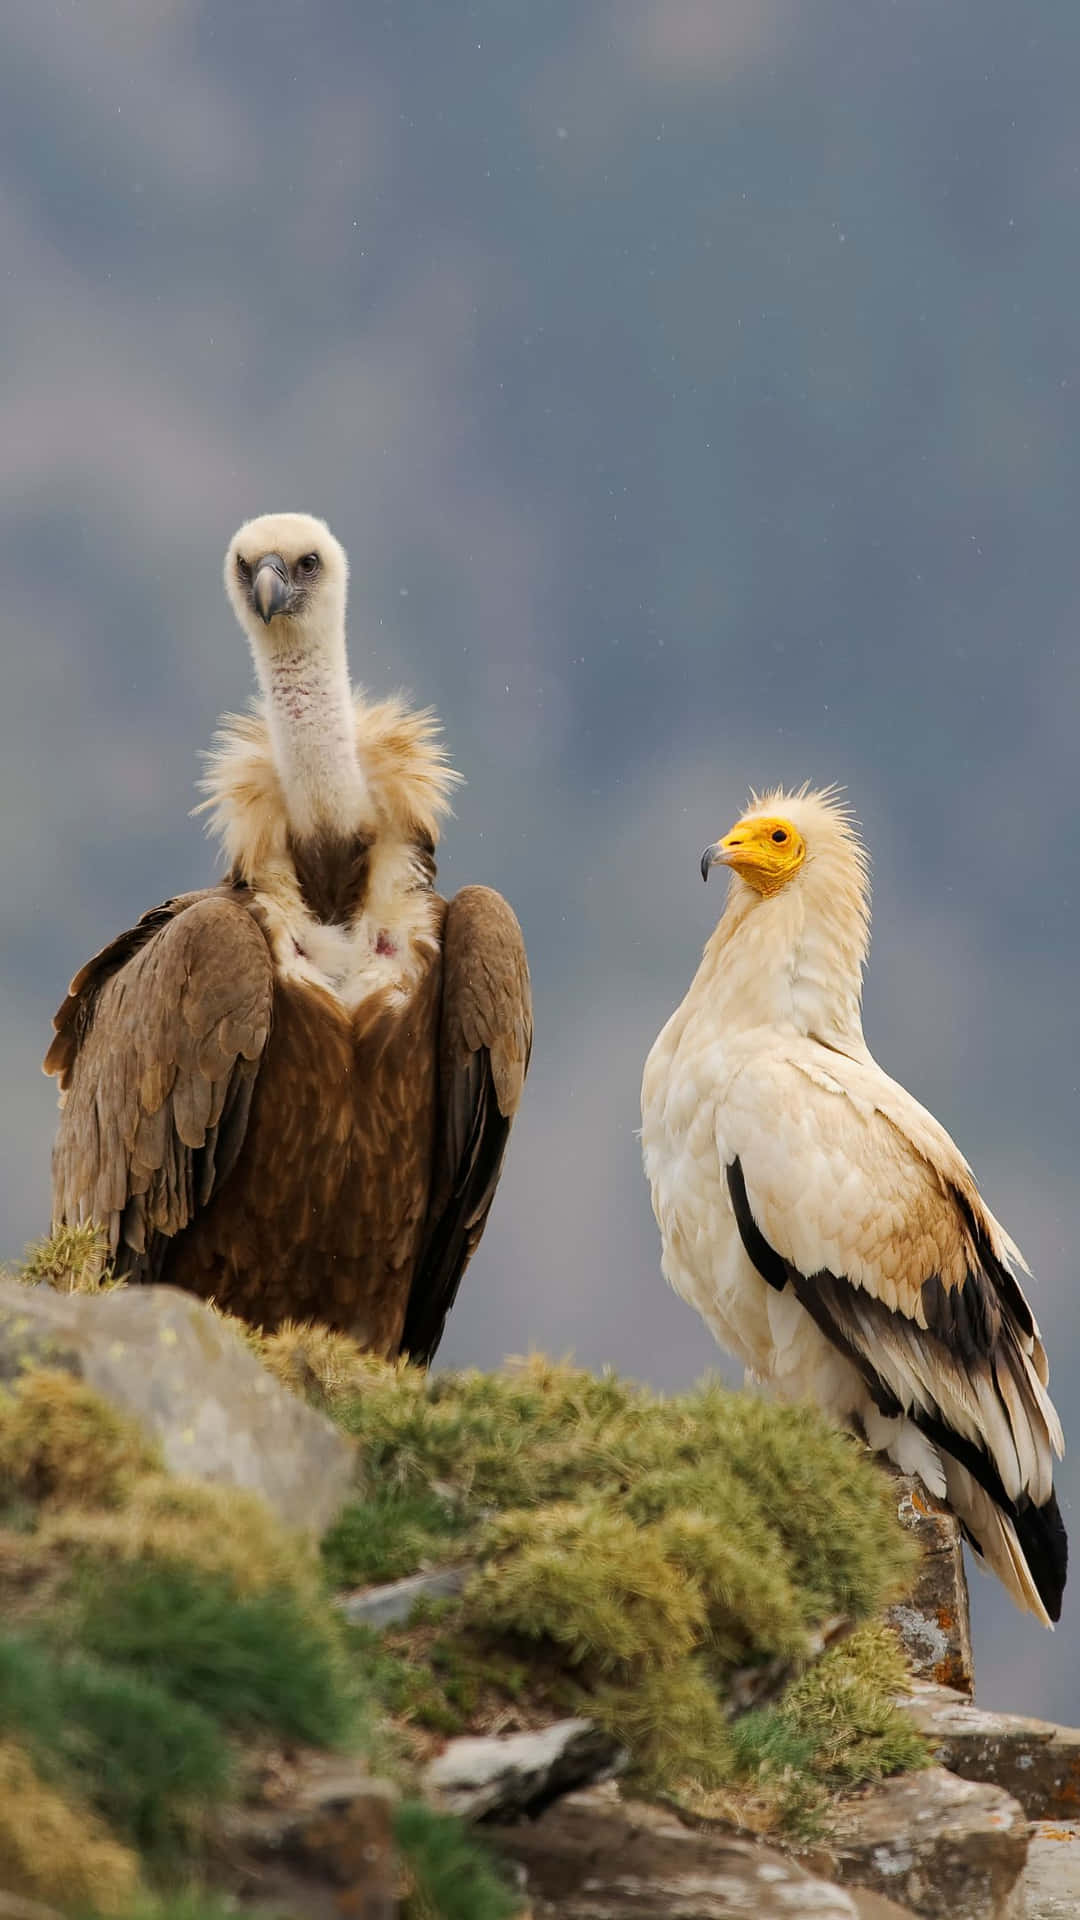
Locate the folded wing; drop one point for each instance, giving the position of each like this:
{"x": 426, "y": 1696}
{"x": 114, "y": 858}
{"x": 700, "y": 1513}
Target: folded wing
{"x": 847, "y": 1192}
{"x": 485, "y": 1042}
{"x": 157, "y": 1049}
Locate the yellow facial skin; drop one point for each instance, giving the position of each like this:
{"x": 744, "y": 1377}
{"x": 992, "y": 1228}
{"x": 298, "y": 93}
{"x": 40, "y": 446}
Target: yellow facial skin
{"x": 765, "y": 850}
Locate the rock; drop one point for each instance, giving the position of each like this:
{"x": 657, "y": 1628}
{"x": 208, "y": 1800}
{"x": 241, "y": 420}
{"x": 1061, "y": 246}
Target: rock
{"x": 593, "y": 1856}
{"x": 512, "y": 1773}
{"x": 1034, "y": 1760}
{"x": 949, "y": 1849}
{"x": 387, "y": 1605}
{"x": 163, "y": 1357}
{"x": 933, "y": 1622}
{"x": 328, "y": 1850}
{"x": 1052, "y": 1881}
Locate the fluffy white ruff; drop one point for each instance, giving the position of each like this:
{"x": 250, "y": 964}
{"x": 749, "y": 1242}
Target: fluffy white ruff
{"x": 408, "y": 782}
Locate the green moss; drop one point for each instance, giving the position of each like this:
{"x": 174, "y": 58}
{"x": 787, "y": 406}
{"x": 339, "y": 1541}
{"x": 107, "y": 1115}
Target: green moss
{"x": 584, "y": 1577}
{"x": 774, "y": 1766}
{"x": 506, "y": 1440}
{"x": 394, "y": 1533}
{"x": 147, "y": 1760}
{"x": 672, "y": 1722}
{"x": 803, "y": 1525}
{"x": 646, "y": 1549}
{"x": 451, "y": 1876}
{"x": 252, "y": 1660}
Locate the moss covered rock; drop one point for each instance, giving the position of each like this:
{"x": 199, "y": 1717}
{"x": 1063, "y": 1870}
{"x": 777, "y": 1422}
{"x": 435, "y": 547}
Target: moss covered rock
{"x": 624, "y": 1557}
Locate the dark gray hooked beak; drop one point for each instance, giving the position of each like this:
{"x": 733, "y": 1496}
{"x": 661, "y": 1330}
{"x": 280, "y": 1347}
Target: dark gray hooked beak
{"x": 722, "y": 853}
{"x": 270, "y": 586}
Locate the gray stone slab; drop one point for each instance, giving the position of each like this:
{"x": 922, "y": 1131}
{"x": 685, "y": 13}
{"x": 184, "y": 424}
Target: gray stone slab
{"x": 217, "y": 1415}
{"x": 949, "y": 1849}
{"x": 594, "y": 1856}
{"x": 389, "y": 1605}
{"x": 1034, "y": 1760}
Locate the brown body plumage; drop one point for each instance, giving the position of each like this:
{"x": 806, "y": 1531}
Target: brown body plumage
{"x": 292, "y": 1093}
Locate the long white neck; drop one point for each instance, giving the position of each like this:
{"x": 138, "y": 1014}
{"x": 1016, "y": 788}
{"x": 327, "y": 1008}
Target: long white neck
{"x": 312, "y": 721}
{"x": 792, "y": 961}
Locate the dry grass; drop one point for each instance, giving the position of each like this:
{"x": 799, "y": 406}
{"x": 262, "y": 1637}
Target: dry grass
{"x": 54, "y": 1850}
{"x": 219, "y": 1530}
{"x": 61, "y": 1445}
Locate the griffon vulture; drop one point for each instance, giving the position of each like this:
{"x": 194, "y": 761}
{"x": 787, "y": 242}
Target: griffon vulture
{"x": 823, "y": 1223}
{"x": 292, "y": 1092}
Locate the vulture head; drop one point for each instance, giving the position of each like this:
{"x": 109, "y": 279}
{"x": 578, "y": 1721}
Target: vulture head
{"x": 286, "y": 577}
{"x": 781, "y": 836}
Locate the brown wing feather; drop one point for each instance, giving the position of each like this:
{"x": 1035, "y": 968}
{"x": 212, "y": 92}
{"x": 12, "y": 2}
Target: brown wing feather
{"x": 157, "y": 1049}
{"x": 485, "y": 1041}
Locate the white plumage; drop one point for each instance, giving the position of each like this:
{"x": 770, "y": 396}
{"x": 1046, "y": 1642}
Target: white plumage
{"x": 823, "y": 1224}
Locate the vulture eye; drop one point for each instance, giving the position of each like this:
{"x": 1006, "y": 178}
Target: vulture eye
{"x": 308, "y": 563}
{"x": 242, "y": 567}
{"x": 779, "y": 836}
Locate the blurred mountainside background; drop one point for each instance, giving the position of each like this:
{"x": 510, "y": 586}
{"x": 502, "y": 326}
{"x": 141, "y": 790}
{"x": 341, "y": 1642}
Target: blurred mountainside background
{"x": 694, "y": 384}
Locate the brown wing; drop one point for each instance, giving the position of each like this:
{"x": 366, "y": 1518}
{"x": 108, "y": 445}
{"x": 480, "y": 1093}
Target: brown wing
{"x": 157, "y": 1049}
{"x": 485, "y": 1040}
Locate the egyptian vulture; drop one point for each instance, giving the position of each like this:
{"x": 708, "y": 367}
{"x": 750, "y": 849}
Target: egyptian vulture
{"x": 822, "y": 1222}
{"x": 292, "y": 1092}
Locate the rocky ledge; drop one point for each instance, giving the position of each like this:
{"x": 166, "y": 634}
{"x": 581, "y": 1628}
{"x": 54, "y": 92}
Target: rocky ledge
{"x": 986, "y": 1832}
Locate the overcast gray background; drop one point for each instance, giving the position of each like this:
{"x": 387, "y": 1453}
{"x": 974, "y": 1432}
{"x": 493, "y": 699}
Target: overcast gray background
{"x": 694, "y": 385}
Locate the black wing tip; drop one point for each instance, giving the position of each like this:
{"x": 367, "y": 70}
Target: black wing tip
{"x": 1044, "y": 1544}
{"x": 1040, "y": 1531}
{"x": 959, "y": 1319}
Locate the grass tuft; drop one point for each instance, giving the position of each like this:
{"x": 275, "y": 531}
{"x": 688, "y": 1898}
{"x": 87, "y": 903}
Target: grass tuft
{"x": 395, "y": 1532}
{"x": 251, "y": 1660}
{"x": 845, "y": 1706}
{"x": 54, "y": 1850}
{"x": 142, "y": 1758}
{"x": 836, "y": 1727}
{"x": 672, "y": 1723}
{"x": 322, "y": 1365}
{"x": 60, "y": 1444}
{"x": 70, "y": 1259}
{"x": 219, "y": 1530}
{"x": 450, "y": 1877}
